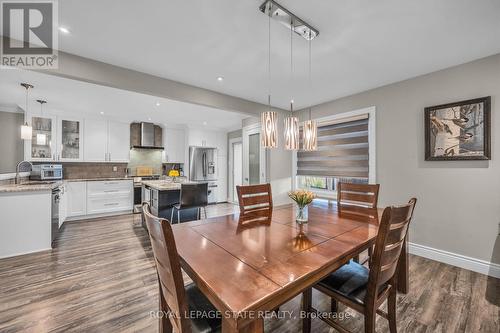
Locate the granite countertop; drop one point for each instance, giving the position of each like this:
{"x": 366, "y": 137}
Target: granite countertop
{"x": 97, "y": 179}
{"x": 29, "y": 186}
{"x": 164, "y": 185}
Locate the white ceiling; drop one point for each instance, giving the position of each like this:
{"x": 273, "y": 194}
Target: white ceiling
{"x": 362, "y": 44}
{"x": 76, "y": 98}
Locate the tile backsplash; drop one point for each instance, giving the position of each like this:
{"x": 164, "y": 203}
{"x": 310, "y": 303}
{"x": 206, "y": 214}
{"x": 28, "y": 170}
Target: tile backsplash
{"x": 74, "y": 170}
{"x": 149, "y": 158}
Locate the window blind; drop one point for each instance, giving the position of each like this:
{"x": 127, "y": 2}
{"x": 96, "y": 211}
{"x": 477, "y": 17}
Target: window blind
{"x": 342, "y": 151}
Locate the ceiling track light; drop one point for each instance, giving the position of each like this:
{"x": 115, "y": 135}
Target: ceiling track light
{"x": 288, "y": 19}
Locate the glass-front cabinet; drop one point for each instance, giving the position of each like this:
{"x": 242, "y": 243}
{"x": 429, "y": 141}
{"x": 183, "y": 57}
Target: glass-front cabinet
{"x": 41, "y": 140}
{"x": 55, "y": 139}
{"x": 70, "y": 138}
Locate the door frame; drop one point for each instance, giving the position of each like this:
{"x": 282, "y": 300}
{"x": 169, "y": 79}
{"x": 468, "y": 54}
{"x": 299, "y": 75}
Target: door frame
{"x": 231, "y": 167}
{"x": 246, "y": 132}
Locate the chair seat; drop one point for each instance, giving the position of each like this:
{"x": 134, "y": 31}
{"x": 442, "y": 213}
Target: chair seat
{"x": 206, "y": 320}
{"x": 350, "y": 281}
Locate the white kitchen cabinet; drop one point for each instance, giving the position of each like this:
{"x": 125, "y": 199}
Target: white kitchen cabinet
{"x": 109, "y": 196}
{"x": 174, "y": 141}
{"x": 63, "y": 205}
{"x": 202, "y": 138}
{"x": 96, "y": 137}
{"x": 106, "y": 141}
{"x": 43, "y": 144}
{"x": 118, "y": 142}
{"x": 76, "y": 193}
{"x": 55, "y": 139}
{"x": 69, "y": 139}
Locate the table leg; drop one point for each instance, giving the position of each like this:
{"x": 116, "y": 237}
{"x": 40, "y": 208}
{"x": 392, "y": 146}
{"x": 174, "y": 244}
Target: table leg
{"x": 403, "y": 271}
{"x": 307, "y": 308}
{"x": 256, "y": 326}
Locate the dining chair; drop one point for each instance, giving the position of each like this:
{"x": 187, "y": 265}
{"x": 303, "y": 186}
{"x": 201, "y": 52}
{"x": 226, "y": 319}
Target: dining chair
{"x": 256, "y": 200}
{"x": 359, "y": 202}
{"x": 191, "y": 196}
{"x": 363, "y": 289}
{"x": 176, "y": 301}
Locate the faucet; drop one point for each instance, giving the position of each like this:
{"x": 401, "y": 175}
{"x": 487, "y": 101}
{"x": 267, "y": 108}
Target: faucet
{"x": 23, "y": 166}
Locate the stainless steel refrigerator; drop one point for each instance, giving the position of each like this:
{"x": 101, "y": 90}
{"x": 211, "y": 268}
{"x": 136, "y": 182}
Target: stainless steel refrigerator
{"x": 202, "y": 164}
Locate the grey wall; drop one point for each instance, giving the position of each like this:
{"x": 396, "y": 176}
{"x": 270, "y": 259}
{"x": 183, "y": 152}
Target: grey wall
{"x": 11, "y": 145}
{"x": 458, "y": 207}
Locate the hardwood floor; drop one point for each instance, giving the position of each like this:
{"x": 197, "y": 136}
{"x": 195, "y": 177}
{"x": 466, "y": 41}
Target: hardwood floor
{"x": 101, "y": 278}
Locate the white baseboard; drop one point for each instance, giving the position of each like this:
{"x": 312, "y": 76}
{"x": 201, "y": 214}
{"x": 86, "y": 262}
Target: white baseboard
{"x": 3, "y": 256}
{"x": 458, "y": 260}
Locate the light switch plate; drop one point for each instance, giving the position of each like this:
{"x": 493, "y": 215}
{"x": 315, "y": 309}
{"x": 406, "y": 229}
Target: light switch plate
{"x": 115, "y": 168}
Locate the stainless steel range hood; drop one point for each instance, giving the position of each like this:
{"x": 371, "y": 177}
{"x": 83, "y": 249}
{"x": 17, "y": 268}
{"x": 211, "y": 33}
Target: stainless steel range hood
{"x": 146, "y": 136}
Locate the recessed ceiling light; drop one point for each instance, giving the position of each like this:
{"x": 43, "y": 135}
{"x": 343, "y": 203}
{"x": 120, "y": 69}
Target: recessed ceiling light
{"x": 220, "y": 78}
{"x": 149, "y": 118}
{"x": 205, "y": 123}
{"x": 102, "y": 112}
{"x": 157, "y": 103}
{"x": 64, "y": 30}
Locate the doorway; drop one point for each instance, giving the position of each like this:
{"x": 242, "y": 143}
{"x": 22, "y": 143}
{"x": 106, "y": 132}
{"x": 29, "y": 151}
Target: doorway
{"x": 235, "y": 167}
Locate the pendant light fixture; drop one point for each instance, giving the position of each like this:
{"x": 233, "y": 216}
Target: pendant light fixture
{"x": 291, "y": 122}
{"x": 310, "y": 129}
{"x": 269, "y": 119}
{"x": 26, "y": 130}
{"x": 41, "y": 138}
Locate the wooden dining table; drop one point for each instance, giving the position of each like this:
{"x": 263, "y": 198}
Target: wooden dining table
{"x": 249, "y": 267}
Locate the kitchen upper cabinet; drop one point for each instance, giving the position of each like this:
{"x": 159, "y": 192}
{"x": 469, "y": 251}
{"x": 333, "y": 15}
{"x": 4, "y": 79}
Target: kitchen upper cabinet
{"x": 118, "y": 142}
{"x": 43, "y": 143}
{"x": 202, "y": 138}
{"x": 96, "y": 137}
{"x": 76, "y": 196}
{"x": 175, "y": 145}
{"x": 55, "y": 139}
{"x": 69, "y": 139}
{"x": 106, "y": 141}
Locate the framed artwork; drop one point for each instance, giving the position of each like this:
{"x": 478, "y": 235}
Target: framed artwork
{"x": 458, "y": 131}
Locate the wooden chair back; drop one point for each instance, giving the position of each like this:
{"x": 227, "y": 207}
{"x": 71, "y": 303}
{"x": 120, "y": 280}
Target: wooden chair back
{"x": 357, "y": 200}
{"x": 255, "y": 199}
{"x": 391, "y": 236}
{"x": 172, "y": 294}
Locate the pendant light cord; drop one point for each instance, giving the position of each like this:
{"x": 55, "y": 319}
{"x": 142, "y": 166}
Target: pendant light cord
{"x": 269, "y": 58}
{"x": 310, "y": 80}
{"x": 291, "y": 65}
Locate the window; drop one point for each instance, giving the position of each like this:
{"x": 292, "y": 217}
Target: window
{"x": 342, "y": 156}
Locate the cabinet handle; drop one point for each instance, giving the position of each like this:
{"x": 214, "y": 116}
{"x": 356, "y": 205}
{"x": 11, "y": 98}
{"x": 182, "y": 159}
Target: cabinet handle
{"x": 111, "y": 191}
{"x": 110, "y": 157}
{"x": 112, "y": 204}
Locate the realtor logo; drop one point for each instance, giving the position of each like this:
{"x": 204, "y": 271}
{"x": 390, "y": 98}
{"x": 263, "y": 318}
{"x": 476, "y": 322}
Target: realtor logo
{"x": 29, "y": 34}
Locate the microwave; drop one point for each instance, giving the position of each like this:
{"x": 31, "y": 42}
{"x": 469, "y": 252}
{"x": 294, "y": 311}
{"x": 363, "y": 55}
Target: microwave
{"x": 47, "y": 172}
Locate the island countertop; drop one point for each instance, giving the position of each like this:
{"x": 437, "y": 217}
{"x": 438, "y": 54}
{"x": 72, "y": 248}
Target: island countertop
{"x": 164, "y": 185}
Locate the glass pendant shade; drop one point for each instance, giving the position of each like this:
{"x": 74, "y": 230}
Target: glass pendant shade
{"x": 310, "y": 132}
{"x": 41, "y": 139}
{"x": 26, "y": 132}
{"x": 291, "y": 133}
{"x": 269, "y": 133}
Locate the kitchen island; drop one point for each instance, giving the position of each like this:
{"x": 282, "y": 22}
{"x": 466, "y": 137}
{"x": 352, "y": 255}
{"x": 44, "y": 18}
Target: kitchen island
{"x": 162, "y": 195}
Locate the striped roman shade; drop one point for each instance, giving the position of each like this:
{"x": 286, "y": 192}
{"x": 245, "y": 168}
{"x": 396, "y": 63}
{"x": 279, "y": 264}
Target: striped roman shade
{"x": 342, "y": 151}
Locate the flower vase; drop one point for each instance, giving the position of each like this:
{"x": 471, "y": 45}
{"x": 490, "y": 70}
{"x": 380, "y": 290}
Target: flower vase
{"x": 302, "y": 214}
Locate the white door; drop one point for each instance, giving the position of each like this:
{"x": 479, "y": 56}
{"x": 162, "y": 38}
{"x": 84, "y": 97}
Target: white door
{"x": 96, "y": 140}
{"x": 118, "y": 142}
{"x": 254, "y": 156}
{"x": 237, "y": 167}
